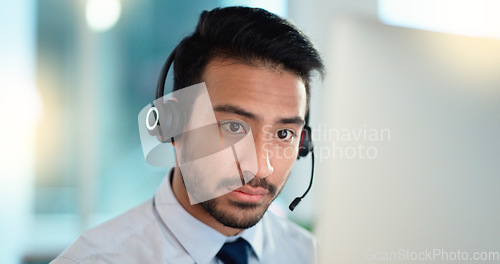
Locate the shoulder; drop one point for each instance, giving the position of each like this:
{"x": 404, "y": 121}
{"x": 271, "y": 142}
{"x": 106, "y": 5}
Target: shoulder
{"x": 107, "y": 242}
{"x": 294, "y": 241}
{"x": 286, "y": 227}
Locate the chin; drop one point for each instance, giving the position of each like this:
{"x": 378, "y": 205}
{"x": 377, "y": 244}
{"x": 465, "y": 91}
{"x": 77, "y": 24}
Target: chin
{"x": 235, "y": 214}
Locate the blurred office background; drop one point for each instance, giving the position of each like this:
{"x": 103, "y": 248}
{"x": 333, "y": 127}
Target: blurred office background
{"x": 75, "y": 74}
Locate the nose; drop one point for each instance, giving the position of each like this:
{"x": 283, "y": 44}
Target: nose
{"x": 264, "y": 155}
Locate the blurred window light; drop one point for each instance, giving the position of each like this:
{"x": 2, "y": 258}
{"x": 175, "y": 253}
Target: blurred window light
{"x": 20, "y": 110}
{"x": 102, "y": 15}
{"x": 477, "y": 18}
{"x": 279, "y": 7}
{"x": 20, "y": 104}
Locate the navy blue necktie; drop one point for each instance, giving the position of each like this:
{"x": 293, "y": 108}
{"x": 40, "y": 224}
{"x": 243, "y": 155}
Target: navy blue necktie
{"x": 234, "y": 252}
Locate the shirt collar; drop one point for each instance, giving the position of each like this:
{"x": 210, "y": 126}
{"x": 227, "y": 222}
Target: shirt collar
{"x": 198, "y": 239}
{"x": 255, "y": 237}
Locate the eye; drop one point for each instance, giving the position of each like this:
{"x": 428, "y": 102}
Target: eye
{"x": 285, "y": 134}
{"x": 233, "y": 127}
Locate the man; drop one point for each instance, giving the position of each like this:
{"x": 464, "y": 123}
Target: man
{"x": 256, "y": 69}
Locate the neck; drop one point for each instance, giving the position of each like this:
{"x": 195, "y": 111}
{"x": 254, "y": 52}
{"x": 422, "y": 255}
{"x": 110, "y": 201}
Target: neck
{"x": 196, "y": 210}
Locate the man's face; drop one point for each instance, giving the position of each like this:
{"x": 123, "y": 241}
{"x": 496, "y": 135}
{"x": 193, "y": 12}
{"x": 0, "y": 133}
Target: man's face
{"x": 272, "y": 104}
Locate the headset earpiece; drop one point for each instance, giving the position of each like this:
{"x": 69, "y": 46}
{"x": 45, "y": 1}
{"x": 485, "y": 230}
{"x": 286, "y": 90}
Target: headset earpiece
{"x": 306, "y": 145}
{"x": 165, "y": 120}
{"x": 153, "y": 123}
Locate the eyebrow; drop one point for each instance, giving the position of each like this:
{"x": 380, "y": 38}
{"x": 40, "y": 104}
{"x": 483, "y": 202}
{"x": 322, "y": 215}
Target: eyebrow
{"x": 232, "y": 109}
{"x": 297, "y": 120}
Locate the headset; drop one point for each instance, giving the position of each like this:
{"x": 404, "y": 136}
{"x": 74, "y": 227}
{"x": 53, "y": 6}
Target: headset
{"x": 165, "y": 120}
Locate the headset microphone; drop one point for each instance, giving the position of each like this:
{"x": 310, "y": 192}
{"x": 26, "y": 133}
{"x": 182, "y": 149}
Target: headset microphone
{"x": 306, "y": 146}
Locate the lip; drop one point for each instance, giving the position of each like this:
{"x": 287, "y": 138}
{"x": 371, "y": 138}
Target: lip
{"x": 249, "y": 194}
{"x": 252, "y": 190}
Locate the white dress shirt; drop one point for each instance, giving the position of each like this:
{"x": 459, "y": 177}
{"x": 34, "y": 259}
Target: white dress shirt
{"x": 162, "y": 231}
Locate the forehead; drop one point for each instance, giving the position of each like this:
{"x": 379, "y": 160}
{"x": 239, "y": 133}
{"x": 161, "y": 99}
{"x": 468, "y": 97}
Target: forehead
{"x": 267, "y": 91}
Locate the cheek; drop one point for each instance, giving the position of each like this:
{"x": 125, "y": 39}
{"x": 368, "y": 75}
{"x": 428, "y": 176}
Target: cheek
{"x": 284, "y": 153}
{"x": 282, "y": 168}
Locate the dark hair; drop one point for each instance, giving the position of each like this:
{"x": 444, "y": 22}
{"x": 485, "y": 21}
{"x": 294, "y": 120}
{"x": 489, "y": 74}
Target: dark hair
{"x": 250, "y": 35}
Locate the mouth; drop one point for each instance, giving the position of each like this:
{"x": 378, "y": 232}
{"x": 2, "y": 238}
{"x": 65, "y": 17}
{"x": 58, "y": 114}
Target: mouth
{"x": 249, "y": 194}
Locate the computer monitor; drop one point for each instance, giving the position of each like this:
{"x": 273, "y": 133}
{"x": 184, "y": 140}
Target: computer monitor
{"x": 408, "y": 152}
